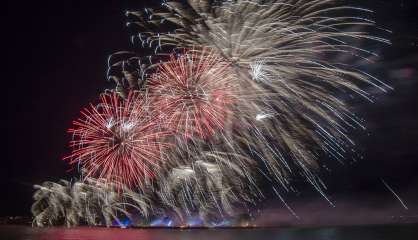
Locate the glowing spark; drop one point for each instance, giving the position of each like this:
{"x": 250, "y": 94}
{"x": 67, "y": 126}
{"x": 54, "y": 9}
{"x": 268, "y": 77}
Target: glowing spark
{"x": 257, "y": 71}
{"x": 262, "y": 116}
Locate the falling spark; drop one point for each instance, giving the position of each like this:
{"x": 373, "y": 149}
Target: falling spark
{"x": 285, "y": 204}
{"x": 394, "y": 193}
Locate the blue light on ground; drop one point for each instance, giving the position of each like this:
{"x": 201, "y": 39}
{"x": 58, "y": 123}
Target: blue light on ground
{"x": 123, "y": 223}
{"x": 162, "y": 222}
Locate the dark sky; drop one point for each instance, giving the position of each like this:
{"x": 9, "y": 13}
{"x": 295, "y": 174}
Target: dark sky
{"x": 55, "y": 64}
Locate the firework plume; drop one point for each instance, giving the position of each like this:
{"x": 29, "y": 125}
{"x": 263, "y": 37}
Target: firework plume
{"x": 207, "y": 185}
{"x": 93, "y": 201}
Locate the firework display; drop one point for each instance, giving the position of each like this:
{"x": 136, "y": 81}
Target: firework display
{"x": 235, "y": 92}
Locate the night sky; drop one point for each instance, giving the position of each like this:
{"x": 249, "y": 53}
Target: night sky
{"x": 55, "y": 64}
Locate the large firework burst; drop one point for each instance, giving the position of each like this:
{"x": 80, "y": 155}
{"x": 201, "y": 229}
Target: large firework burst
{"x": 289, "y": 108}
{"x": 194, "y": 90}
{"x": 119, "y": 140}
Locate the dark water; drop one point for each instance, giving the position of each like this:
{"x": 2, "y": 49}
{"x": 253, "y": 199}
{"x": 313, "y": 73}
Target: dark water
{"x": 402, "y": 232}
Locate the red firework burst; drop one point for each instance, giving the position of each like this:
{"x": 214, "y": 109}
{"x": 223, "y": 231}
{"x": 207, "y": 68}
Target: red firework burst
{"x": 194, "y": 92}
{"x": 118, "y": 140}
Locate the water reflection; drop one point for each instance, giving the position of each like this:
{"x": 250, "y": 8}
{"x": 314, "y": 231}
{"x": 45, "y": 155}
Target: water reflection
{"x": 404, "y": 232}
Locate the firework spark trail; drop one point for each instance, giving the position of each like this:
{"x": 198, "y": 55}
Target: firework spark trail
{"x": 285, "y": 204}
{"x": 118, "y": 140}
{"x": 394, "y": 194}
